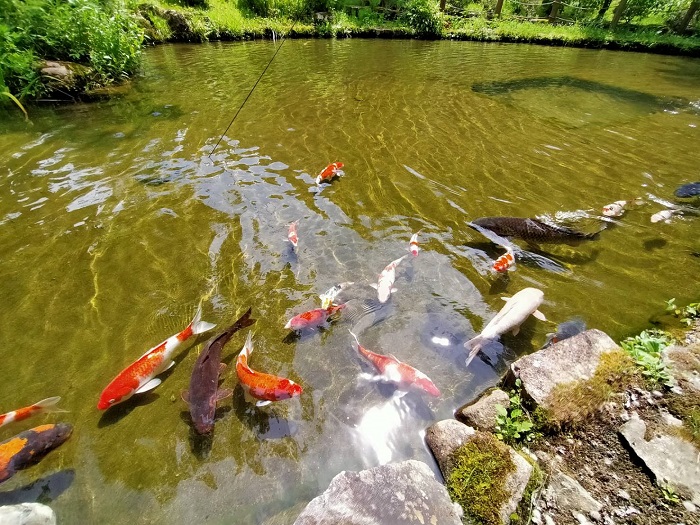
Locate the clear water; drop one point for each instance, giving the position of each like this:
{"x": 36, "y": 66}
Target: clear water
{"x": 114, "y": 223}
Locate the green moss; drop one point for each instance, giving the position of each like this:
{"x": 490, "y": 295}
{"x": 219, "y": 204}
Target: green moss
{"x": 477, "y": 478}
{"x": 570, "y": 404}
{"x": 687, "y": 408}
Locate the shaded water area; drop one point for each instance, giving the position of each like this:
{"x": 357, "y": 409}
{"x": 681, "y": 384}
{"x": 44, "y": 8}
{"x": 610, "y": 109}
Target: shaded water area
{"x": 115, "y": 223}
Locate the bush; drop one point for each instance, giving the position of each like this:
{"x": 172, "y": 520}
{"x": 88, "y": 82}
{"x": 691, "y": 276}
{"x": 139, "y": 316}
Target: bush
{"x": 423, "y": 16}
{"x": 294, "y": 9}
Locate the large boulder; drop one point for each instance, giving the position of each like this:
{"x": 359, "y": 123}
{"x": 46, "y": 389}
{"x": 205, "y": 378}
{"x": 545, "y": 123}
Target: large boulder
{"x": 400, "y": 493}
{"x": 27, "y": 514}
{"x": 572, "y": 359}
{"x": 444, "y": 437}
{"x": 65, "y": 80}
{"x": 482, "y": 414}
{"x": 672, "y": 460}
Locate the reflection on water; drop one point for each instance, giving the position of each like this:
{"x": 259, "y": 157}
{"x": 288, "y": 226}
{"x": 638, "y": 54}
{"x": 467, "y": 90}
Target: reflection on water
{"x": 115, "y": 222}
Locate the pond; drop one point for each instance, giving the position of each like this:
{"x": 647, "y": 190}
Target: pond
{"x": 117, "y": 219}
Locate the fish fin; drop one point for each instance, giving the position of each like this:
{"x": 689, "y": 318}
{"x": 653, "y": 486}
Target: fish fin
{"x": 539, "y": 315}
{"x": 49, "y": 404}
{"x": 148, "y": 386}
{"x": 222, "y": 368}
{"x": 199, "y": 326}
{"x": 185, "y": 396}
{"x": 516, "y": 330}
{"x": 474, "y": 345}
{"x": 394, "y": 290}
{"x": 172, "y": 364}
{"x": 262, "y": 403}
{"x": 506, "y": 299}
{"x": 223, "y": 393}
{"x": 394, "y": 357}
{"x": 355, "y": 311}
{"x": 373, "y": 285}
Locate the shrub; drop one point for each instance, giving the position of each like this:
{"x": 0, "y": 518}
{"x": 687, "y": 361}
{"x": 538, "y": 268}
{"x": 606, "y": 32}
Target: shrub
{"x": 423, "y": 16}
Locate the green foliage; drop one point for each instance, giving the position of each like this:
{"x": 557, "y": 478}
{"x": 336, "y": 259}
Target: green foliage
{"x": 423, "y": 16}
{"x": 670, "y": 494}
{"x": 513, "y": 424}
{"x": 477, "y": 478}
{"x": 692, "y": 425}
{"x": 686, "y": 313}
{"x": 294, "y": 9}
{"x": 646, "y": 349}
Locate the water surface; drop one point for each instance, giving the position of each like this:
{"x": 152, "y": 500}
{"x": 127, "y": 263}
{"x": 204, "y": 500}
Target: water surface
{"x": 115, "y": 222}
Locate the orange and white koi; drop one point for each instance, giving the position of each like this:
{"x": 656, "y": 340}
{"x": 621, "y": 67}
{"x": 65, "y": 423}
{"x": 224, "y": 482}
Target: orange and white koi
{"x": 42, "y": 407}
{"x": 384, "y": 285}
{"x": 329, "y": 172}
{"x": 413, "y": 244}
{"x": 140, "y": 376}
{"x": 328, "y": 297}
{"x": 265, "y": 388}
{"x": 292, "y": 235}
{"x": 394, "y": 371}
{"x": 313, "y": 318}
{"x": 504, "y": 262}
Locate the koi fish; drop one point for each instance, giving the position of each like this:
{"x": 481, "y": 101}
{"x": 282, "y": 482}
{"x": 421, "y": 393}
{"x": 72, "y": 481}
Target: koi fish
{"x": 140, "y": 376}
{"x": 616, "y": 209}
{"x": 663, "y": 215}
{"x": 512, "y": 315}
{"x": 266, "y": 388}
{"x": 204, "y": 390}
{"x": 329, "y": 296}
{"x": 312, "y": 318}
{"x": 394, "y": 371}
{"x": 292, "y": 235}
{"x": 28, "y": 447}
{"x": 329, "y": 172}
{"x": 413, "y": 244}
{"x": 685, "y": 191}
{"x": 565, "y": 330}
{"x": 42, "y": 407}
{"x": 504, "y": 262}
{"x": 384, "y": 285}
{"x": 532, "y": 230}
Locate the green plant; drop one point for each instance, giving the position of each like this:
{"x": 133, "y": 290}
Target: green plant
{"x": 513, "y": 424}
{"x": 646, "y": 349}
{"x": 423, "y": 16}
{"x": 669, "y": 493}
{"x": 686, "y": 313}
{"x": 17, "y": 102}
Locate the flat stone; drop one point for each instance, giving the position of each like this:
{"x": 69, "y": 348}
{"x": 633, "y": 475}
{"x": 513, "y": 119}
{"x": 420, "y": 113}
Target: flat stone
{"x": 671, "y": 460}
{"x": 572, "y": 359}
{"x": 482, "y": 414}
{"x": 684, "y": 363}
{"x": 567, "y": 495}
{"x": 399, "y": 493}
{"x": 444, "y": 437}
{"x": 27, "y": 514}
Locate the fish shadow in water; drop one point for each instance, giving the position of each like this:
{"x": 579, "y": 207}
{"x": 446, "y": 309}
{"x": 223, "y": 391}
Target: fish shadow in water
{"x": 654, "y": 244}
{"x": 263, "y": 421}
{"x": 43, "y": 490}
{"x": 118, "y": 412}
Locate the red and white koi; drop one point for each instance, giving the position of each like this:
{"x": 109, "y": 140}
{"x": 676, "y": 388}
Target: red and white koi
{"x": 394, "y": 371}
{"x": 265, "y": 388}
{"x": 615, "y": 209}
{"x": 41, "y": 407}
{"x": 505, "y": 262}
{"x": 313, "y": 318}
{"x": 413, "y": 244}
{"x": 384, "y": 285}
{"x": 329, "y": 172}
{"x": 292, "y": 235}
{"x": 140, "y": 376}
{"x": 328, "y": 297}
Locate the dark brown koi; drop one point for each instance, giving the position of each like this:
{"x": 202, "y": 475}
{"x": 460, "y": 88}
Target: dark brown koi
{"x": 28, "y": 447}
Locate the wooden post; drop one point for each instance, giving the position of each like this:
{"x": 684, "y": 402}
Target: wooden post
{"x": 499, "y": 6}
{"x": 618, "y": 12}
{"x": 554, "y": 12}
{"x": 442, "y": 5}
{"x": 694, "y": 6}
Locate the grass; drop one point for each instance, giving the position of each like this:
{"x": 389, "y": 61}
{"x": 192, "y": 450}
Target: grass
{"x": 478, "y": 476}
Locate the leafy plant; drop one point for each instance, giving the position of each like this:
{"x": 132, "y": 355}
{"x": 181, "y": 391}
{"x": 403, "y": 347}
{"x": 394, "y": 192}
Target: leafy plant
{"x": 686, "y": 313}
{"x": 423, "y": 16}
{"x": 670, "y": 494}
{"x": 646, "y": 349}
{"x": 513, "y": 424}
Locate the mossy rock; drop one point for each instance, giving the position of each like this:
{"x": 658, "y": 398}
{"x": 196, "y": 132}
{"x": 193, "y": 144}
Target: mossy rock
{"x": 66, "y": 80}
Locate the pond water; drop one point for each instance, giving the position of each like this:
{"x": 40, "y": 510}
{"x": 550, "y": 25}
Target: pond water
{"x": 115, "y": 222}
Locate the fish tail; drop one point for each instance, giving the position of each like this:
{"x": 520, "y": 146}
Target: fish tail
{"x": 199, "y": 326}
{"x": 244, "y": 320}
{"x": 248, "y": 346}
{"x": 473, "y": 345}
{"x": 49, "y": 405}
{"x": 356, "y": 339}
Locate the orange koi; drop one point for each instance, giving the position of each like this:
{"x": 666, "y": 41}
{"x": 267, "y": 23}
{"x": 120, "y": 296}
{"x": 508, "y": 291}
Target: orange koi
{"x": 140, "y": 376}
{"x": 265, "y": 388}
{"x": 504, "y": 262}
{"x": 392, "y": 370}
{"x": 329, "y": 172}
{"x": 312, "y": 318}
{"x": 42, "y": 407}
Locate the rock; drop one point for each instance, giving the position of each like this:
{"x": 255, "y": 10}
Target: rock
{"x": 482, "y": 414}
{"x": 684, "y": 363}
{"x": 27, "y": 514}
{"x": 65, "y": 80}
{"x": 624, "y": 494}
{"x": 567, "y": 495}
{"x": 670, "y": 459}
{"x": 596, "y": 515}
{"x": 444, "y": 437}
{"x": 569, "y": 360}
{"x": 399, "y": 493}
{"x": 689, "y": 506}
